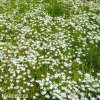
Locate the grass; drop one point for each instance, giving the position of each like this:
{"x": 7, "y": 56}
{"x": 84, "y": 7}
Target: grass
{"x": 50, "y": 49}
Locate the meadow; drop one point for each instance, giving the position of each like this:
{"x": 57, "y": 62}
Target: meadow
{"x": 49, "y": 50}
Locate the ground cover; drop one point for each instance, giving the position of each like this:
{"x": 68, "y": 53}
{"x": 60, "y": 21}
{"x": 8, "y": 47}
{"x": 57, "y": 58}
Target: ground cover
{"x": 50, "y": 49}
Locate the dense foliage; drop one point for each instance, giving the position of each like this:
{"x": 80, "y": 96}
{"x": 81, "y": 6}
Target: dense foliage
{"x": 50, "y": 49}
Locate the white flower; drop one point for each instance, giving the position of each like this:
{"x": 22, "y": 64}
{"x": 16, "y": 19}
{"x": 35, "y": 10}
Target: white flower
{"x": 51, "y": 86}
{"x": 93, "y": 98}
{"x": 28, "y": 84}
{"x": 78, "y": 60}
{"x": 43, "y": 92}
{"x": 98, "y": 74}
{"x": 0, "y": 80}
{"x": 18, "y": 98}
{"x": 36, "y": 94}
{"x": 58, "y": 91}
{"x": 47, "y": 78}
{"x": 24, "y": 91}
{"x": 19, "y": 77}
{"x": 47, "y": 96}
{"x": 31, "y": 85}
{"x": 18, "y": 71}
{"x": 34, "y": 97}
{"x": 98, "y": 96}
{"x": 28, "y": 71}
{"x": 66, "y": 64}
{"x": 16, "y": 87}
{"x": 63, "y": 95}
